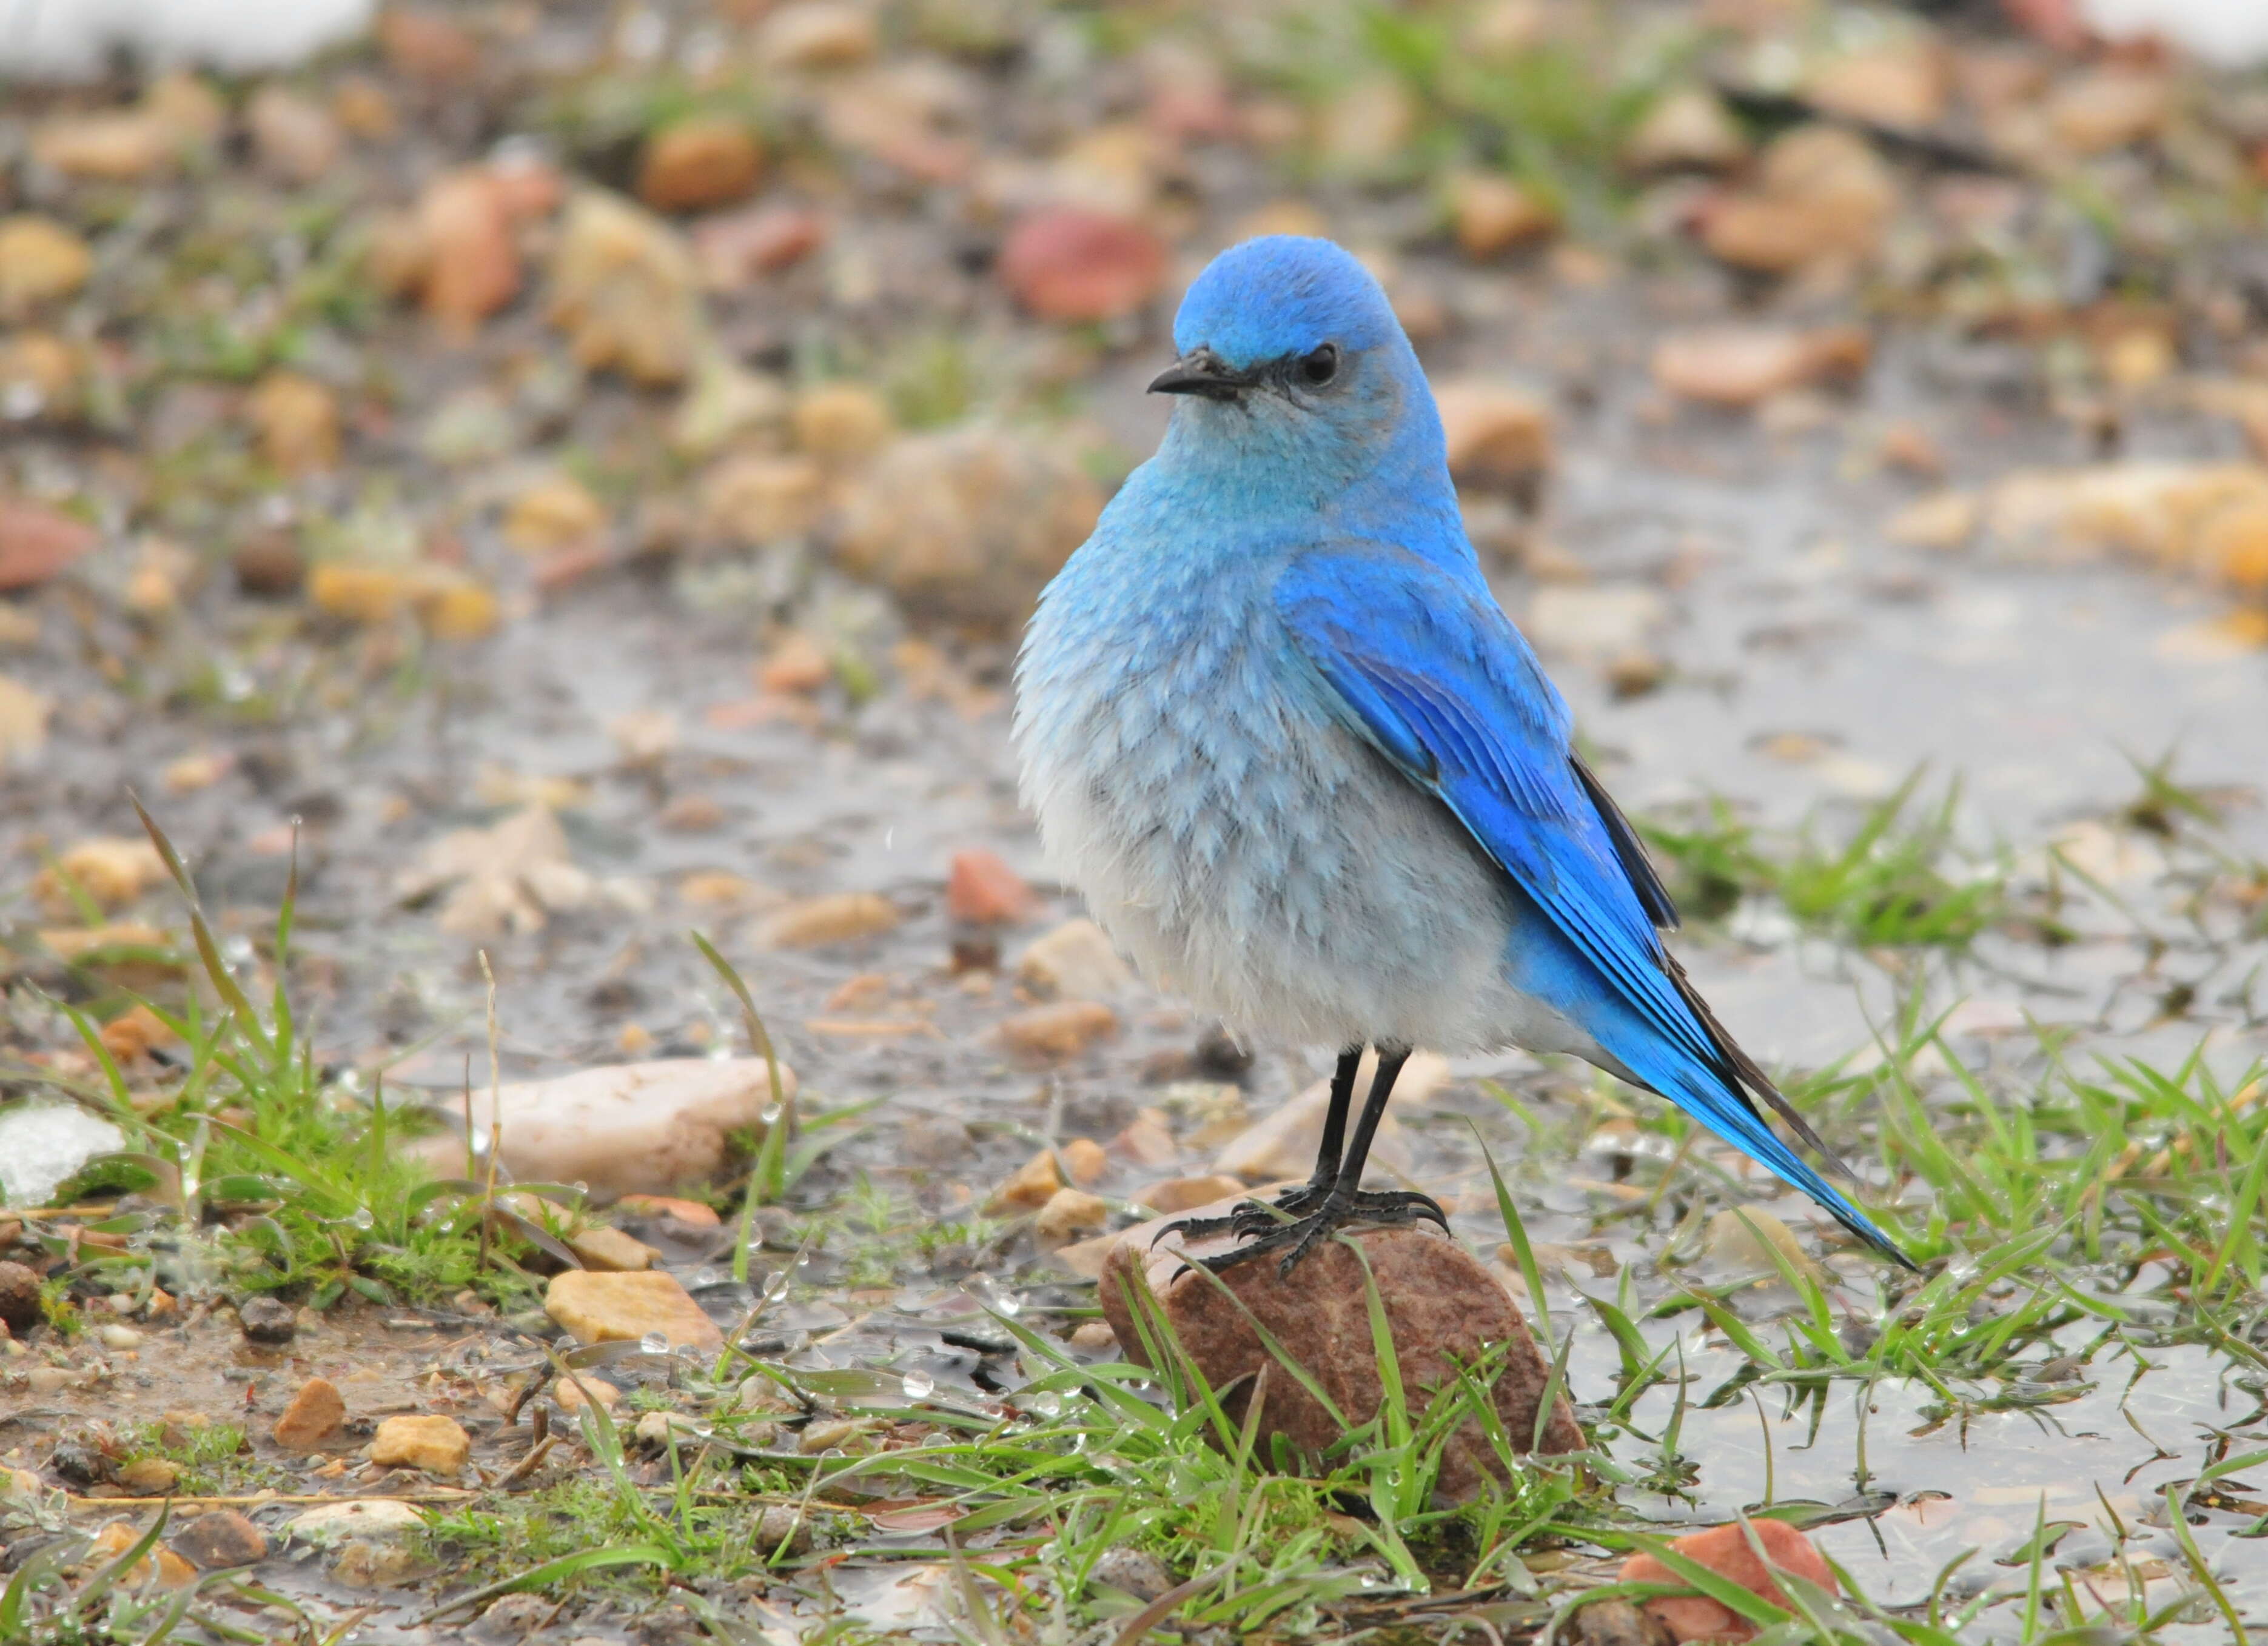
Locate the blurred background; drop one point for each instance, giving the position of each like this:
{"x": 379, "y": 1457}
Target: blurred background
{"x": 569, "y": 472}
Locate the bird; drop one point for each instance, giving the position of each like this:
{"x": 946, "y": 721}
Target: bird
{"x": 1274, "y": 725}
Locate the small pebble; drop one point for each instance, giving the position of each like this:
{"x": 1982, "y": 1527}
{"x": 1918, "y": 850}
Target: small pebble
{"x": 266, "y": 1320}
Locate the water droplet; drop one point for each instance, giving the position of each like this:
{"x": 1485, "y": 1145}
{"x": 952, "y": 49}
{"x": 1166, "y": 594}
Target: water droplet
{"x": 1047, "y": 1403}
{"x": 918, "y": 1385}
{"x": 362, "y": 1219}
{"x": 654, "y": 1343}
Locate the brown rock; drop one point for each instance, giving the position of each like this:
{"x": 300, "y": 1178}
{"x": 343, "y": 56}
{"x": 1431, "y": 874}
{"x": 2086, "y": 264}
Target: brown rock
{"x": 969, "y": 523}
{"x": 168, "y": 1570}
{"x": 841, "y": 422}
{"x": 2109, "y": 107}
{"x": 1689, "y": 129}
{"x": 41, "y": 261}
{"x": 38, "y": 374}
{"x": 36, "y": 542}
{"x": 817, "y": 34}
{"x": 149, "y": 1477}
{"x": 295, "y": 140}
{"x": 762, "y": 497}
{"x": 1727, "y": 1551}
{"x": 611, "y": 1251}
{"x": 1943, "y": 520}
{"x": 1745, "y": 365}
{"x": 268, "y": 1322}
{"x": 1084, "y": 1159}
{"x": 1616, "y": 1623}
{"x": 298, "y": 421}
{"x": 984, "y": 891}
{"x": 556, "y": 513}
{"x": 117, "y": 146}
{"x": 269, "y": 565}
{"x": 1499, "y": 438}
{"x": 797, "y": 664}
{"x": 1178, "y": 1194}
{"x": 1075, "y": 961}
{"x": 470, "y": 265}
{"x": 1063, "y": 1030}
{"x": 623, "y": 290}
{"x": 1068, "y": 263}
{"x": 424, "y": 43}
{"x": 1823, "y": 196}
{"x": 627, "y": 1308}
{"x": 1902, "y": 85}
{"x": 220, "y": 1539}
{"x": 316, "y": 1413}
{"x": 1492, "y": 214}
{"x": 1282, "y": 1144}
{"x": 841, "y": 917}
{"x": 362, "y": 106}
{"x": 697, "y": 163}
{"x": 111, "y": 869}
{"x": 622, "y": 1129}
{"x": 692, "y": 1213}
{"x": 1069, "y": 1214}
{"x": 733, "y": 250}
{"x": 1030, "y": 1188}
{"x": 582, "y": 1390}
{"x": 1441, "y": 1304}
{"x": 437, "y": 1444}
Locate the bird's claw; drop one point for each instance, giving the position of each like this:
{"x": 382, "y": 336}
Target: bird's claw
{"x": 1335, "y": 1210}
{"x": 1250, "y": 1217}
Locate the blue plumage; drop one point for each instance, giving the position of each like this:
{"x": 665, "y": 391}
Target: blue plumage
{"x": 1274, "y": 723}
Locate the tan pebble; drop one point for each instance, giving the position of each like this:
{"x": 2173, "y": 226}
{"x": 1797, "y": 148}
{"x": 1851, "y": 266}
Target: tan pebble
{"x": 1943, "y": 521}
{"x": 1687, "y": 128}
{"x": 1178, "y": 1194}
{"x": 40, "y": 260}
{"x": 296, "y": 140}
{"x": 1491, "y": 214}
{"x": 361, "y": 105}
{"x": 298, "y": 421}
{"x": 1148, "y": 1141}
{"x": 610, "y": 1250}
{"x": 149, "y": 1477}
{"x": 1499, "y": 437}
{"x": 575, "y": 1392}
{"x": 437, "y": 1444}
{"x": 169, "y": 1569}
{"x": 817, "y": 34}
{"x": 1028, "y": 1188}
{"x": 317, "y": 1413}
{"x": 559, "y": 513}
{"x": 1062, "y": 1030}
{"x": 220, "y": 1539}
{"x": 697, "y": 163}
{"x": 1075, "y": 961}
{"x": 1095, "y": 1337}
{"x": 1069, "y": 1214}
{"x": 692, "y": 1213}
{"x": 844, "y": 917}
{"x": 984, "y": 891}
{"x": 796, "y": 665}
{"x": 834, "y": 1434}
{"x": 759, "y": 498}
{"x": 839, "y": 423}
{"x": 1084, "y": 1159}
{"x": 626, "y": 1307}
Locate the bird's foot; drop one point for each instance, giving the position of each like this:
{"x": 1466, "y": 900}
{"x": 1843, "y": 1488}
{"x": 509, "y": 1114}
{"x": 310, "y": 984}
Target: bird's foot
{"x": 1333, "y": 1209}
{"x": 1252, "y": 1217}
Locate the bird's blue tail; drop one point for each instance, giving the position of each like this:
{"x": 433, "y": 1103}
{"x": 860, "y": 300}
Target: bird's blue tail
{"x": 1710, "y": 1098}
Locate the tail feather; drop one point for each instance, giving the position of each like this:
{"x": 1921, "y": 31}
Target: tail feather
{"x": 1727, "y": 1112}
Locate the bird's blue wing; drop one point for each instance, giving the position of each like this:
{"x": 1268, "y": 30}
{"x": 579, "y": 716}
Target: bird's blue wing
{"x": 1420, "y": 662}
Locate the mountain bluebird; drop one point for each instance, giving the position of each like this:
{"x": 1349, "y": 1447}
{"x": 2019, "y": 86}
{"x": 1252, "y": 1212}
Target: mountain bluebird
{"x": 1274, "y": 725}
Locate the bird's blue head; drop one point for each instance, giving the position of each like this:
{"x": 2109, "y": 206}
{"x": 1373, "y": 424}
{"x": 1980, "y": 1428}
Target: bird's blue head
{"x": 1296, "y": 375}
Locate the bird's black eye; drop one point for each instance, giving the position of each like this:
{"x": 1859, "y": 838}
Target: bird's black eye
{"x": 1319, "y": 366}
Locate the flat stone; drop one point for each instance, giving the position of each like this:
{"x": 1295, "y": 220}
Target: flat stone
{"x": 1726, "y": 1550}
{"x": 610, "y": 1249}
{"x": 316, "y": 1413}
{"x": 149, "y": 1477}
{"x": 1068, "y": 1214}
{"x": 268, "y": 1321}
{"x": 1178, "y": 1194}
{"x": 841, "y": 917}
{"x": 629, "y": 1129}
{"x": 1063, "y": 1028}
{"x": 219, "y": 1539}
{"x": 437, "y": 1444}
{"x": 1441, "y": 1303}
{"x": 371, "y": 1519}
{"x": 627, "y": 1308}
{"x": 1075, "y": 961}
{"x": 1283, "y": 1144}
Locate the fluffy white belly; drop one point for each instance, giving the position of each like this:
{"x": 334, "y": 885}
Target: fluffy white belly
{"x": 1284, "y": 877}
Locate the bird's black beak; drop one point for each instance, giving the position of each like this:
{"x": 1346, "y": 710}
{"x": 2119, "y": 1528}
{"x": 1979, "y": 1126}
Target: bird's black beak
{"x": 1201, "y": 371}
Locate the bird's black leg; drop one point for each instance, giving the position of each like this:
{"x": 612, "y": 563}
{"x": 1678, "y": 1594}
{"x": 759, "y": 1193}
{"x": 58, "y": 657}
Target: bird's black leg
{"x": 1258, "y": 1217}
{"x": 1344, "y": 1203}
